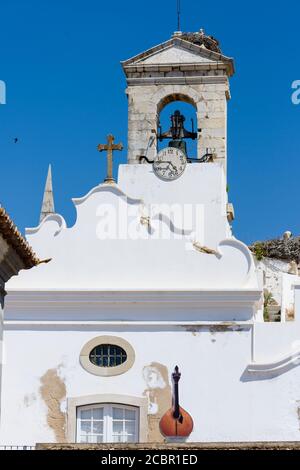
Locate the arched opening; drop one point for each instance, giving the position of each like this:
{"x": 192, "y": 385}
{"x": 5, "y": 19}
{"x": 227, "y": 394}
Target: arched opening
{"x": 175, "y": 97}
{"x": 177, "y": 124}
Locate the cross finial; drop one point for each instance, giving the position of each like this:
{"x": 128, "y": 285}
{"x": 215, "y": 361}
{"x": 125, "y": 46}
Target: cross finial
{"x": 110, "y": 147}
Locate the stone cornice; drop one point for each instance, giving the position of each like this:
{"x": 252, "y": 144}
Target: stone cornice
{"x": 191, "y": 326}
{"x": 210, "y": 55}
{"x": 78, "y": 298}
{"x": 196, "y": 80}
{"x": 184, "y": 67}
{"x": 187, "y": 446}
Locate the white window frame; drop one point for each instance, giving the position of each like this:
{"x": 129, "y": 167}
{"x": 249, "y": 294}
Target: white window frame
{"x": 100, "y": 399}
{"x": 108, "y": 420}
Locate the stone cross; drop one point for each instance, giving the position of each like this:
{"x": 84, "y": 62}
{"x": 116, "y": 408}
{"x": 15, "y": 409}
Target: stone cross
{"x": 109, "y": 147}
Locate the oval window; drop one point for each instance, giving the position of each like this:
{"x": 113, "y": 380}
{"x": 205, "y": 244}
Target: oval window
{"x": 107, "y": 355}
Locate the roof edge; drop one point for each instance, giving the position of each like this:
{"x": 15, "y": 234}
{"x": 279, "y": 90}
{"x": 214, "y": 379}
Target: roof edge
{"x": 179, "y": 42}
{"x": 15, "y": 239}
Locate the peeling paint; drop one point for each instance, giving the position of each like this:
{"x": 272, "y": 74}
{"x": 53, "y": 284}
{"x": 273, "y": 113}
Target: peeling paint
{"x": 224, "y": 327}
{"x": 219, "y": 328}
{"x": 159, "y": 395}
{"x": 193, "y": 329}
{"x": 53, "y": 392}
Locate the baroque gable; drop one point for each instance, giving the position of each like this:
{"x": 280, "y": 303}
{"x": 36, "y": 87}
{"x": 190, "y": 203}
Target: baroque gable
{"x": 128, "y": 243}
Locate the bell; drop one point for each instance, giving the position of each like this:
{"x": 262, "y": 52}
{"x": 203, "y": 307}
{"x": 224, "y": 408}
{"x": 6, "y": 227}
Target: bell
{"x": 177, "y": 133}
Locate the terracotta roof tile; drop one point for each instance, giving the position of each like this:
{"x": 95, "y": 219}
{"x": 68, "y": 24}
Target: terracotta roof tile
{"x": 14, "y": 238}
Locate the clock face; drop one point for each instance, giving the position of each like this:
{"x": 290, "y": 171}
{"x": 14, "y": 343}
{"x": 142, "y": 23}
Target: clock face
{"x": 169, "y": 163}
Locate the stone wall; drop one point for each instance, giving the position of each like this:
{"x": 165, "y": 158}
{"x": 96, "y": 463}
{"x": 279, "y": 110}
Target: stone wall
{"x": 145, "y": 102}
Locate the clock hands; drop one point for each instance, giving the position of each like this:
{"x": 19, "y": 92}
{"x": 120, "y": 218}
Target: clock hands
{"x": 167, "y": 161}
{"x": 169, "y": 169}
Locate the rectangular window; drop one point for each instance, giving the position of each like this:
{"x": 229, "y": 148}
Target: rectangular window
{"x": 107, "y": 423}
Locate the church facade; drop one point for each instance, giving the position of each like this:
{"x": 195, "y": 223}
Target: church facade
{"x": 150, "y": 277}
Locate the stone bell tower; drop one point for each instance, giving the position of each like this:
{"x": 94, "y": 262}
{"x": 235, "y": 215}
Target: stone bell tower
{"x": 189, "y": 67}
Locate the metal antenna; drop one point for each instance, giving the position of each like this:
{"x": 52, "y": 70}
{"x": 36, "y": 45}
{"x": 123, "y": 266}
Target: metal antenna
{"x": 178, "y": 15}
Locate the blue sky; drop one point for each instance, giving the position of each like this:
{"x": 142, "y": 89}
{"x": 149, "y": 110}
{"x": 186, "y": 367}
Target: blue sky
{"x": 60, "y": 60}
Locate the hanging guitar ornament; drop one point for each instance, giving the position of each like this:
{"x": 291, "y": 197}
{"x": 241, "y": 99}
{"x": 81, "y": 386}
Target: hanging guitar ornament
{"x": 176, "y": 422}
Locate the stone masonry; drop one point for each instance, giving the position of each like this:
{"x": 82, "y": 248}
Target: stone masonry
{"x": 198, "y": 77}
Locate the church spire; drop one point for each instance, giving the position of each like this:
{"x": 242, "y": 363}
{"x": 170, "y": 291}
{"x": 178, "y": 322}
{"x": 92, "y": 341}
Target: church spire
{"x": 48, "y": 201}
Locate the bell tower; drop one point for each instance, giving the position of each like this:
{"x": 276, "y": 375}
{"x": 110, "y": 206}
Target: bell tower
{"x": 191, "y": 68}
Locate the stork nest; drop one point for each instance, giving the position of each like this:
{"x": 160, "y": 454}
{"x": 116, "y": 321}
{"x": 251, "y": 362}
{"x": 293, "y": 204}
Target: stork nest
{"x": 201, "y": 39}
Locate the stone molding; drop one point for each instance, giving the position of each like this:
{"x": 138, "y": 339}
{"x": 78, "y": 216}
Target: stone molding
{"x": 282, "y": 445}
{"x": 107, "y": 371}
{"x": 61, "y": 224}
{"x": 275, "y": 368}
{"x": 76, "y": 299}
{"x": 139, "y": 402}
{"x": 186, "y": 45}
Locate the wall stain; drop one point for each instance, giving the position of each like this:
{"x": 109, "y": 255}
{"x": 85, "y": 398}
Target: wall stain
{"x": 159, "y": 394}
{"x": 53, "y": 392}
{"x": 29, "y": 399}
{"x": 193, "y": 329}
{"x": 290, "y": 313}
{"x": 223, "y": 328}
{"x": 298, "y": 413}
{"x": 218, "y": 328}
